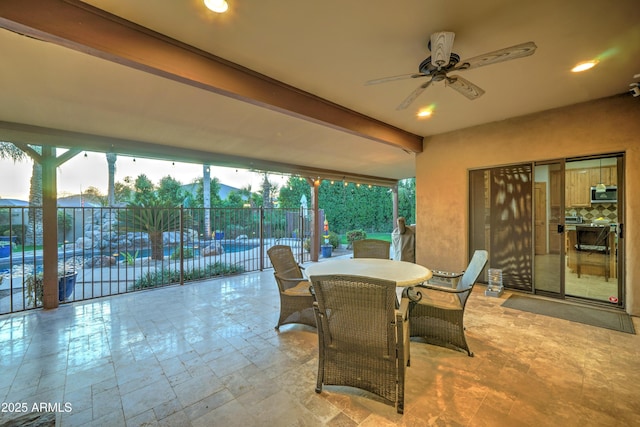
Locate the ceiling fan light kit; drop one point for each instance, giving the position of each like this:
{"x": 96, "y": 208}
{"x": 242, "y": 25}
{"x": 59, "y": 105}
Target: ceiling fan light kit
{"x": 443, "y": 60}
{"x": 217, "y": 6}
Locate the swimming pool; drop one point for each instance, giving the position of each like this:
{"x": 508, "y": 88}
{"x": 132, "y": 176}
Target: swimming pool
{"x": 229, "y": 247}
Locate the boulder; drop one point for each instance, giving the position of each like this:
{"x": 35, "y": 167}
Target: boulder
{"x": 214, "y": 248}
{"x": 100, "y": 262}
{"x": 83, "y": 243}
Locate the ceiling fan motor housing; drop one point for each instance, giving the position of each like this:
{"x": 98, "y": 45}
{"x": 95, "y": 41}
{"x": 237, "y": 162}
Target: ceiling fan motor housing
{"x": 428, "y": 69}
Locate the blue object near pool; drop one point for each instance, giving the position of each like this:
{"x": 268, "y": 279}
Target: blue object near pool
{"x": 66, "y": 284}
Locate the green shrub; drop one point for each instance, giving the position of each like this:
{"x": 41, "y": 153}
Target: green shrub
{"x": 168, "y": 276}
{"x": 65, "y": 221}
{"x": 129, "y": 258}
{"x": 187, "y": 253}
{"x": 355, "y": 235}
{"x": 334, "y": 239}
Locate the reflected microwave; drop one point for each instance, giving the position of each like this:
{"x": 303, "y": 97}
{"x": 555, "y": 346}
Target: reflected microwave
{"x": 609, "y": 195}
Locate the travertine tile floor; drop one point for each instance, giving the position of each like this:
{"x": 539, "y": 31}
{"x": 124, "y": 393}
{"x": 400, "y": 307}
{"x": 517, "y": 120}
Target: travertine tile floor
{"x": 206, "y": 354}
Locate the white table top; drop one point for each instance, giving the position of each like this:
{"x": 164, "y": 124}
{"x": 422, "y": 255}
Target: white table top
{"x": 402, "y": 272}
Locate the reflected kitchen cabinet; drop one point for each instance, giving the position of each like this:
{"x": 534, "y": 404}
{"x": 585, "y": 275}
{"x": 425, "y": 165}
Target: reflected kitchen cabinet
{"x": 607, "y": 175}
{"x": 578, "y": 188}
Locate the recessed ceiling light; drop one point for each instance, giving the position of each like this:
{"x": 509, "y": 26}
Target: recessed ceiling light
{"x": 426, "y": 112}
{"x": 584, "y": 66}
{"x": 218, "y": 6}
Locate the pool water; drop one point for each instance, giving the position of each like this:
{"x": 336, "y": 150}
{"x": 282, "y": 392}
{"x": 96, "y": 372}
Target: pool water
{"x": 229, "y": 247}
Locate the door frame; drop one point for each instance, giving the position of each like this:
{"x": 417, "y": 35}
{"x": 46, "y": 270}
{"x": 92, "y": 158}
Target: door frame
{"x": 620, "y": 233}
{"x": 560, "y": 228}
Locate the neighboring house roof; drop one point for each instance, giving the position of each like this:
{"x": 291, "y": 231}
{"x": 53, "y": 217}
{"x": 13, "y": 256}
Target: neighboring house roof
{"x": 13, "y": 203}
{"x": 76, "y": 201}
{"x": 223, "y": 193}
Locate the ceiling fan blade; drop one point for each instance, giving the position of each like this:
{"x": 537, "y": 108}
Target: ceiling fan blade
{"x": 412, "y": 97}
{"x": 506, "y": 54}
{"x": 394, "y": 78}
{"x": 465, "y": 87}
{"x": 441, "y": 44}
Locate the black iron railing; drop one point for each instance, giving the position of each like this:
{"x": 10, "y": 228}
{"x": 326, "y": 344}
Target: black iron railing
{"x": 105, "y": 251}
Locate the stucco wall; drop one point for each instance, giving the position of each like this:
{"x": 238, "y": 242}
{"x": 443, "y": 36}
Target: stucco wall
{"x": 604, "y": 126}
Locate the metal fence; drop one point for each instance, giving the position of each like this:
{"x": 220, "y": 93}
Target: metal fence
{"x": 109, "y": 251}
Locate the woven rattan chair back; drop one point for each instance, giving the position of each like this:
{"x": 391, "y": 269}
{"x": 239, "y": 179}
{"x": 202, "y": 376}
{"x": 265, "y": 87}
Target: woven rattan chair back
{"x": 471, "y": 274}
{"x": 371, "y": 248}
{"x": 284, "y": 264}
{"x": 296, "y": 300}
{"x": 361, "y": 335}
{"x": 438, "y": 315}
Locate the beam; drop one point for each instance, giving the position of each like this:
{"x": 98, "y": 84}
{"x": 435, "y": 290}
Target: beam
{"x": 93, "y": 31}
{"x": 22, "y": 134}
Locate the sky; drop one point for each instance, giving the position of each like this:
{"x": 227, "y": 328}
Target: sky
{"x": 81, "y": 172}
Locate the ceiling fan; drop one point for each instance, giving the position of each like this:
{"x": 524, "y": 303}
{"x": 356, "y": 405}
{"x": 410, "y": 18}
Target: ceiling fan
{"x": 443, "y": 60}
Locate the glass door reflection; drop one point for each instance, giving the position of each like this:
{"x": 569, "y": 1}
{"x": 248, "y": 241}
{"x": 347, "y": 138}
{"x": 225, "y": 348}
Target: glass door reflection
{"x": 549, "y": 229}
{"x": 591, "y": 239}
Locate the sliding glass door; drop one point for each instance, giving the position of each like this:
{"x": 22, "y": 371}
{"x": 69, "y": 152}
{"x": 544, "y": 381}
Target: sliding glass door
{"x": 551, "y": 228}
{"x": 501, "y": 221}
{"x": 593, "y": 194}
{"x": 548, "y": 202}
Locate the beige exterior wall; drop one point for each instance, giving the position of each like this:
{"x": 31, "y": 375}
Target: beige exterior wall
{"x": 604, "y": 126}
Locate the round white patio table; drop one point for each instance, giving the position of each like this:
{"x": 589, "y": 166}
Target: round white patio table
{"x": 404, "y": 274}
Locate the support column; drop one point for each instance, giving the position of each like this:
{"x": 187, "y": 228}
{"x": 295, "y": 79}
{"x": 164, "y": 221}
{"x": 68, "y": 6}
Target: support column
{"x": 315, "y": 219}
{"x": 49, "y": 228}
{"x": 394, "y": 195}
{"x": 49, "y": 163}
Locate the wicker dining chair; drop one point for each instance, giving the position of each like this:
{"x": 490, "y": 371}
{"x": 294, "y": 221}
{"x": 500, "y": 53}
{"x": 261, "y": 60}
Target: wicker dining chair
{"x": 371, "y": 248}
{"x": 296, "y": 300}
{"x": 439, "y": 314}
{"x": 363, "y": 339}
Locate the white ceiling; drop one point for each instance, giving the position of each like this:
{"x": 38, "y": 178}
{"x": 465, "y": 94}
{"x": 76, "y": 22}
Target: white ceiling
{"x": 328, "y": 49}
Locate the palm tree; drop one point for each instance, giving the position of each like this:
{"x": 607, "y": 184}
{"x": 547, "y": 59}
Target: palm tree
{"x": 152, "y": 218}
{"x": 34, "y": 228}
{"x": 206, "y": 193}
{"x": 111, "y": 192}
{"x": 8, "y": 151}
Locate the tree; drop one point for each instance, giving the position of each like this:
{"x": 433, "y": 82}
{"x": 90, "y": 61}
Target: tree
{"x": 267, "y": 197}
{"x": 290, "y": 194}
{"x": 111, "y": 189}
{"x": 144, "y": 191}
{"x": 154, "y": 211}
{"x": 152, "y": 218}
{"x": 34, "y": 228}
{"x": 170, "y": 191}
{"x": 407, "y": 200}
{"x": 214, "y": 193}
{"x": 234, "y": 200}
{"x": 8, "y": 151}
{"x": 95, "y": 195}
{"x": 124, "y": 190}
{"x": 206, "y": 199}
